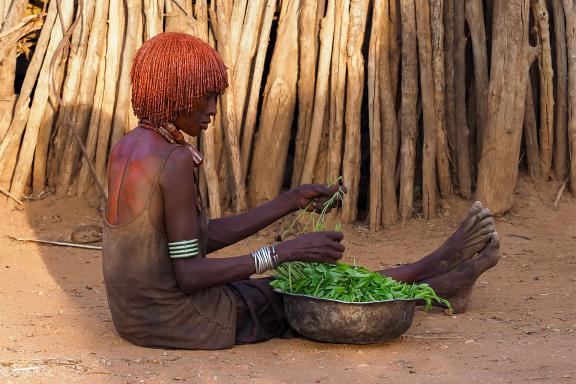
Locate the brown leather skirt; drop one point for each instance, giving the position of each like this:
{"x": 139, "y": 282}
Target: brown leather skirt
{"x": 260, "y": 312}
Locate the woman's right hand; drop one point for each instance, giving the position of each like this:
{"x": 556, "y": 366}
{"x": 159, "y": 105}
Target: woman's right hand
{"x": 316, "y": 247}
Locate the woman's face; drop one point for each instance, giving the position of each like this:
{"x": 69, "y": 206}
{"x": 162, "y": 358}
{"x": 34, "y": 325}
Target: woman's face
{"x": 198, "y": 120}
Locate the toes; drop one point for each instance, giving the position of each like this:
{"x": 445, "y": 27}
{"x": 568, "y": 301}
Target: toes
{"x": 476, "y": 207}
{"x": 472, "y": 216}
{"x": 490, "y": 256}
{"x": 495, "y": 241}
{"x": 484, "y": 213}
{"x": 487, "y": 230}
{"x": 486, "y": 221}
{"x": 479, "y": 242}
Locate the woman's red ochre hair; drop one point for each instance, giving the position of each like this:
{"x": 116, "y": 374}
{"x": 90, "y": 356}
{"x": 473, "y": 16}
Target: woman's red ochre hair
{"x": 171, "y": 72}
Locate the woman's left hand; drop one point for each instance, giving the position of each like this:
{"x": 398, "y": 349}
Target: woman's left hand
{"x": 312, "y": 197}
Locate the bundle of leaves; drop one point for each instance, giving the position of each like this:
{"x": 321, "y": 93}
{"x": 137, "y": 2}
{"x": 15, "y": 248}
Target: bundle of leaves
{"x": 348, "y": 283}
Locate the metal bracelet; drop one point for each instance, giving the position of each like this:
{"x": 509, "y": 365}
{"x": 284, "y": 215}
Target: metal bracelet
{"x": 265, "y": 259}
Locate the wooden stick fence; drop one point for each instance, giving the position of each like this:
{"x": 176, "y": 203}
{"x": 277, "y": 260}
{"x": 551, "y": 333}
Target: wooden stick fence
{"x": 411, "y": 101}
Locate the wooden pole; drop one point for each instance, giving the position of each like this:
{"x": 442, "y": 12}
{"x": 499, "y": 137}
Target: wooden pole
{"x": 236, "y": 22}
{"x": 86, "y": 97}
{"x": 123, "y": 104}
{"x": 308, "y": 40}
{"x": 321, "y": 94}
{"x": 153, "y": 11}
{"x": 511, "y": 54}
{"x": 374, "y": 123}
{"x": 231, "y": 130}
{"x": 429, "y": 107}
{"x": 354, "y": 91}
{"x": 95, "y": 114}
{"x": 115, "y": 38}
{"x": 254, "y": 96}
{"x": 247, "y": 48}
{"x": 389, "y": 122}
{"x": 475, "y": 17}
{"x": 394, "y": 46}
{"x": 40, "y": 170}
{"x": 210, "y": 187}
{"x": 24, "y": 164}
{"x": 62, "y": 135}
{"x": 178, "y": 16}
{"x": 546, "y": 73}
{"x": 449, "y": 101}
{"x": 408, "y": 115}
{"x": 10, "y": 143}
{"x": 462, "y": 130}
{"x": 570, "y": 12}
{"x": 442, "y": 148}
{"x": 338, "y": 91}
{"x": 560, "y": 105}
{"x": 138, "y": 39}
{"x": 8, "y": 54}
{"x": 531, "y": 134}
{"x": 271, "y": 146}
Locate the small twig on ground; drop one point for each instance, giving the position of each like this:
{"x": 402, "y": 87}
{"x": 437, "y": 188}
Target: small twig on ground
{"x": 519, "y": 236}
{"x": 559, "y": 194}
{"x": 432, "y": 337}
{"x": 26, "y": 369}
{"x": 5, "y": 192}
{"x": 60, "y": 243}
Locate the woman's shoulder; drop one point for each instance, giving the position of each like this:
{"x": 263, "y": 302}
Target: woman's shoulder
{"x": 142, "y": 145}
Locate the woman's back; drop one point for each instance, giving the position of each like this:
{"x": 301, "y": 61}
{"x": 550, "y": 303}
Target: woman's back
{"x": 134, "y": 163}
{"x": 147, "y": 306}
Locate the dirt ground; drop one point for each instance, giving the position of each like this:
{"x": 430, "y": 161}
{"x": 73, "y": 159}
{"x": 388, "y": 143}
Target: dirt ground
{"x": 520, "y": 328}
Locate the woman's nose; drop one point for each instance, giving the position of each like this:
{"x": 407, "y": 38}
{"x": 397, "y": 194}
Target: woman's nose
{"x": 212, "y": 106}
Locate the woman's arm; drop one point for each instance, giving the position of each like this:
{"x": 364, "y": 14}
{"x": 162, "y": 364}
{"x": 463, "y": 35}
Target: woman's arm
{"x": 226, "y": 231}
{"x": 181, "y": 221}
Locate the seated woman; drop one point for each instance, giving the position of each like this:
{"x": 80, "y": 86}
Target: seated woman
{"x": 162, "y": 289}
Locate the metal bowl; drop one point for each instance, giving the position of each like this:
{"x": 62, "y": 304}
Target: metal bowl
{"x": 335, "y": 321}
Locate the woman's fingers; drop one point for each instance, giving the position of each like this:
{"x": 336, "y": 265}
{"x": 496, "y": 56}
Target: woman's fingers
{"x": 334, "y": 235}
{"x": 331, "y": 257}
{"x": 338, "y": 247}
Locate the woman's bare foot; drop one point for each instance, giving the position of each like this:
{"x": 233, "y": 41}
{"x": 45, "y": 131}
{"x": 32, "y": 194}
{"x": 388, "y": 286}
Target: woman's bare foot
{"x": 457, "y": 284}
{"x": 470, "y": 238}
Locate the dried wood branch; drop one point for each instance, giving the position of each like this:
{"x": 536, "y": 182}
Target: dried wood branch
{"x": 429, "y": 107}
{"x": 389, "y": 122}
{"x": 321, "y": 94}
{"x": 354, "y": 91}
{"x": 308, "y": 46}
{"x": 546, "y": 74}
{"x": 271, "y": 146}
{"x": 408, "y": 115}
{"x": 561, "y": 96}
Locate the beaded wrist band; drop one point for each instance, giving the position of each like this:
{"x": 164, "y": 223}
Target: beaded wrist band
{"x": 265, "y": 258}
{"x": 183, "y": 249}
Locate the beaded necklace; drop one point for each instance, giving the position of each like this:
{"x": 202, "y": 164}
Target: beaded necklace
{"x": 172, "y": 135}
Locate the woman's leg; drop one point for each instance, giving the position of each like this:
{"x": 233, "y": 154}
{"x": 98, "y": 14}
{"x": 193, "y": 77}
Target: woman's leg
{"x": 471, "y": 237}
{"x": 456, "y": 284}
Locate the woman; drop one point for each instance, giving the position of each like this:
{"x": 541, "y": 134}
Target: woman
{"x": 162, "y": 289}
